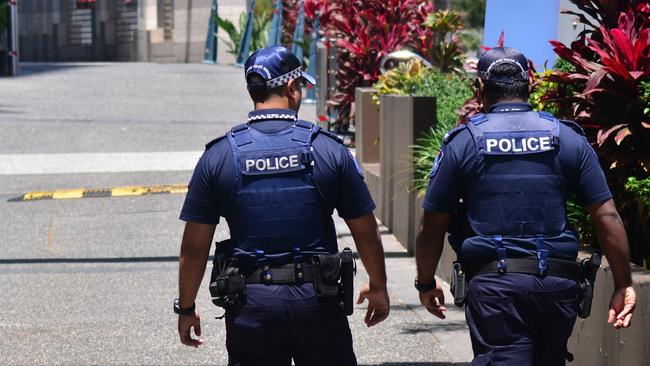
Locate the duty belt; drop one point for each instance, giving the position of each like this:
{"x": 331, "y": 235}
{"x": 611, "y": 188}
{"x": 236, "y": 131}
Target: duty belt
{"x": 287, "y": 274}
{"x": 569, "y": 270}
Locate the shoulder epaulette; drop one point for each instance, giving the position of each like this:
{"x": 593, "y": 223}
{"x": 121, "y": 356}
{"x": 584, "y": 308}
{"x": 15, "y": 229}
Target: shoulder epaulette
{"x": 477, "y": 119}
{"x": 453, "y": 132}
{"x": 331, "y": 135}
{"x": 574, "y": 126}
{"x": 546, "y": 115}
{"x": 211, "y": 143}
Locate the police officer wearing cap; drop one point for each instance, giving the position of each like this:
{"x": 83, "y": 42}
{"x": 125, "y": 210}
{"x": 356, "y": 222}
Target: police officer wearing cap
{"x": 276, "y": 180}
{"x": 513, "y": 170}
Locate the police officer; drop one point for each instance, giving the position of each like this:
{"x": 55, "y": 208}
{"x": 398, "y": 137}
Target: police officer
{"x": 276, "y": 180}
{"x": 514, "y": 168}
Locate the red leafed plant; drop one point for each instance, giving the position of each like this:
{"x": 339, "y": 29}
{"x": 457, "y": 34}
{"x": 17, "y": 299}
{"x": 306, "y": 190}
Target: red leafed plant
{"x": 611, "y": 58}
{"x": 611, "y": 62}
{"x": 363, "y": 32}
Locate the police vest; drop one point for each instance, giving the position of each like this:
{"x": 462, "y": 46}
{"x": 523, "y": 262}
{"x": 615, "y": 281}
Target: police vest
{"x": 277, "y": 209}
{"x": 509, "y": 201}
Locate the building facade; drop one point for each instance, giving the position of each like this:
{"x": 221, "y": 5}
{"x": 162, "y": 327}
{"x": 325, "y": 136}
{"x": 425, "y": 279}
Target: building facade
{"x": 119, "y": 30}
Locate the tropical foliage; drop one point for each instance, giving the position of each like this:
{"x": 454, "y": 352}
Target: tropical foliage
{"x": 445, "y": 50}
{"x": 451, "y": 90}
{"x": 394, "y": 80}
{"x": 606, "y": 92}
{"x": 363, "y": 32}
{"x": 259, "y": 36}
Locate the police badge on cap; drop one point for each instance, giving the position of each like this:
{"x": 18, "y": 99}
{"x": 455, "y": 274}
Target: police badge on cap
{"x": 276, "y": 65}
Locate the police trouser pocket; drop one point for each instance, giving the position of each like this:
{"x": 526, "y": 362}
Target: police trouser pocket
{"x": 327, "y": 271}
{"x": 483, "y": 359}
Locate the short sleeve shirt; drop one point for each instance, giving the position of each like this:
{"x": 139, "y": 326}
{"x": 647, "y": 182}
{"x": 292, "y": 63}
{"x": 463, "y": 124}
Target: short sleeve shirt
{"x": 336, "y": 174}
{"x": 457, "y": 165}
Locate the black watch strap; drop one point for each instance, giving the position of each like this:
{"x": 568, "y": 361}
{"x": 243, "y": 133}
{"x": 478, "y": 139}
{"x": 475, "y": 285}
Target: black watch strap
{"x": 186, "y": 311}
{"x": 424, "y": 287}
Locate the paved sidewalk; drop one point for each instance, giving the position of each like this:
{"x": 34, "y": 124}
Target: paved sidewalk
{"x": 420, "y": 338}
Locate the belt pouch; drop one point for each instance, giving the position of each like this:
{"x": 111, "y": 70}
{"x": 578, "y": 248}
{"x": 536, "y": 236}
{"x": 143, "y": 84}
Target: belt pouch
{"x": 326, "y": 275}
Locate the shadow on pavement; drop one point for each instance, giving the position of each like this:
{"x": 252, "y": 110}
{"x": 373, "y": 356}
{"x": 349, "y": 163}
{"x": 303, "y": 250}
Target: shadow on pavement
{"x": 31, "y": 69}
{"x": 437, "y": 326}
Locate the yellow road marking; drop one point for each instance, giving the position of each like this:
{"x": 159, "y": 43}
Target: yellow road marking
{"x": 67, "y": 194}
{"x": 126, "y": 191}
{"x": 37, "y": 196}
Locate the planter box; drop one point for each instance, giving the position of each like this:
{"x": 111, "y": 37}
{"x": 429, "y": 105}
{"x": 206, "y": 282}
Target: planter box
{"x": 402, "y": 121}
{"x": 367, "y": 144}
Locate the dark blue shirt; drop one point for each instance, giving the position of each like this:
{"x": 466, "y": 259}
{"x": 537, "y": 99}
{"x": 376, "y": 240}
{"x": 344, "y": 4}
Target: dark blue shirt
{"x": 458, "y": 168}
{"x": 336, "y": 174}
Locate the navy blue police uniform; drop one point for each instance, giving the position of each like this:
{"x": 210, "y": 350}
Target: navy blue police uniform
{"x": 277, "y": 180}
{"x": 514, "y": 169}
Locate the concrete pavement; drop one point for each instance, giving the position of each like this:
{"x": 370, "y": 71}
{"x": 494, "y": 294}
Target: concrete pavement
{"x": 90, "y": 281}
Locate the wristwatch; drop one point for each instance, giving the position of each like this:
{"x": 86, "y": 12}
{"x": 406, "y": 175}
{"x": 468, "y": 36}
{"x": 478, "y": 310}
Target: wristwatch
{"x": 186, "y": 311}
{"x": 424, "y": 287}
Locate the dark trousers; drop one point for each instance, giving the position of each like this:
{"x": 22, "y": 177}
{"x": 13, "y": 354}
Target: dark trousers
{"x": 283, "y": 322}
{"x": 520, "y": 319}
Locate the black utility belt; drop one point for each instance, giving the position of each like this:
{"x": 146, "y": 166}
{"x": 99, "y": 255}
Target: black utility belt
{"x": 569, "y": 270}
{"x": 331, "y": 274}
{"x": 287, "y": 274}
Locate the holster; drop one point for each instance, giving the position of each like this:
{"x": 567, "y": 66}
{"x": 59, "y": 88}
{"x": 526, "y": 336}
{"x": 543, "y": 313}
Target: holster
{"x": 227, "y": 285}
{"x": 333, "y": 278}
{"x": 588, "y": 271}
{"x": 458, "y": 285}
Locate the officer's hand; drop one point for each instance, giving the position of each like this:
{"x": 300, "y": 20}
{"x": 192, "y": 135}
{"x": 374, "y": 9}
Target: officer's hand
{"x": 434, "y": 301}
{"x": 621, "y": 307}
{"x": 185, "y": 325}
{"x": 378, "y": 304}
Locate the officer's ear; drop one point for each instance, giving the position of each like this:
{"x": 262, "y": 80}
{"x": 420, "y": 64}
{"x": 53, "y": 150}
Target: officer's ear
{"x": 294, "y": 88}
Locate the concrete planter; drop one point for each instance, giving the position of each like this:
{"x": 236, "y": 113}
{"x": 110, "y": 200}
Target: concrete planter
{"x": 384, "y": 136}
{"x": 367, "y": 144}
{"x": 402, "y": 120}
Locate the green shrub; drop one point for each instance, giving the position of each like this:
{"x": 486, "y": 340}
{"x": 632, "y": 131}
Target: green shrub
{"x": 640, "y": 188}
{"x": 451, "y": 90}
{"x": 259, "y": 36}
{"x": 645, "y": 97}
{"x": 581, "y": 222}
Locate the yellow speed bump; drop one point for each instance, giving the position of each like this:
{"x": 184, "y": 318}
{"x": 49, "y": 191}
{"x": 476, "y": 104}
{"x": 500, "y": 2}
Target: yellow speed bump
{"x": 102, "y": 192}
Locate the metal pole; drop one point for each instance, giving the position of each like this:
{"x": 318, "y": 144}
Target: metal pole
{"x": 211, "y": 46}
{"x": 12, "y": 36}
{"x": 299, "y": 33}
{"x": 245, "y": 43}
{"x": 311, "y": 68}
{"x": 275, "y": 30}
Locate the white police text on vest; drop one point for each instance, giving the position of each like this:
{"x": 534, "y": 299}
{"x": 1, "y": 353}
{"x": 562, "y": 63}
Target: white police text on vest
{"x": 512, "y": 145}
{"x": 274, "y": 163}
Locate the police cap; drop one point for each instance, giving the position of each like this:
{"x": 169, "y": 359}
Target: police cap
{"x": 276, "y": 66}
{"x": 502, "y": 55}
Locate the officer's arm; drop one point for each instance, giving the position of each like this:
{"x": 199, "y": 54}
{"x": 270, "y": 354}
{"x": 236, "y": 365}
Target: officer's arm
{"x": 429, "y": 244}
{"x": 367, "y": 239}
{"x": 613, "y": 241}
{"x": 195, "y": 250}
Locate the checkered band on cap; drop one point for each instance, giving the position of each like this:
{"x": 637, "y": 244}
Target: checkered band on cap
{"x": 283, "y": 79}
